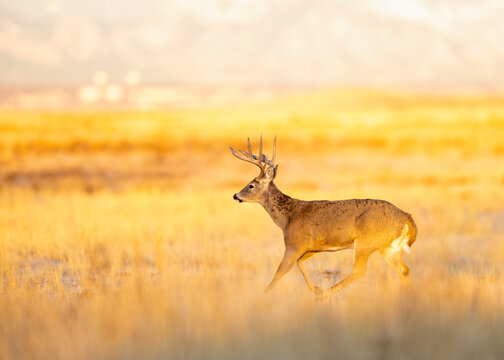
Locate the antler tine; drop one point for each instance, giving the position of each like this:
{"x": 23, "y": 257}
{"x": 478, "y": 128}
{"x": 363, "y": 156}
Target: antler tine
{"x": 243, "y": 155}
{"x": 261, "y": 161}
{"x": 274, "y": 152}
{"x": 260, "y": 156}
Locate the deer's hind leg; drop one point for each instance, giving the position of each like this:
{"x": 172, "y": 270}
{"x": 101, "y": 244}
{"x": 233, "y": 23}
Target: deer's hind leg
{"x": 301, "y": 267}
{"x": 393, "y": 257}
{"x": 361, "y": 256}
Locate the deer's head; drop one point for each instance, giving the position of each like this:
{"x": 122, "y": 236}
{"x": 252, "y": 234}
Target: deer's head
{"x": 255, "y": 190}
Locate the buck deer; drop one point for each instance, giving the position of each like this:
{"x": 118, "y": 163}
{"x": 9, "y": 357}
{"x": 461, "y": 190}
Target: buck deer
{"x": 311, "y": 227}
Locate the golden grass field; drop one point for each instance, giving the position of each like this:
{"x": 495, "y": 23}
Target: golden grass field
{"x": 119, "y": 237}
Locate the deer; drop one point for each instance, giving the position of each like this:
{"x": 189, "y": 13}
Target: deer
{"x": 312, "y": 227}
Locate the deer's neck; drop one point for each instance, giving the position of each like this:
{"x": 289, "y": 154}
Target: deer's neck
{"x": 278, "y": 205}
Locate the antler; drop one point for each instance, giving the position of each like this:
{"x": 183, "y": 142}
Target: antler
{"x": 260, "y": 161}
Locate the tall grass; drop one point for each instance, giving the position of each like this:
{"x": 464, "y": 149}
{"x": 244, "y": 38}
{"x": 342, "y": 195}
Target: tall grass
{"x": 119, "y": 237}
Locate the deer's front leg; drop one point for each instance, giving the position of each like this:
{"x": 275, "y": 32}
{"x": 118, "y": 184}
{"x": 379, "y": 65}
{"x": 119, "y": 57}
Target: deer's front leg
{"x": 290, "y": 257}
{"x": 301, "y": 267}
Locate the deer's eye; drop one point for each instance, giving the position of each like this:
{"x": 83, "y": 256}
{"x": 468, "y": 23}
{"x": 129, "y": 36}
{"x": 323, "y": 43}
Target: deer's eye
{"x": 251, "y": 186}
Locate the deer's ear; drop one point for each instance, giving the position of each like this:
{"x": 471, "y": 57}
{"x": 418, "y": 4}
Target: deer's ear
{"x": 271, "y": 172}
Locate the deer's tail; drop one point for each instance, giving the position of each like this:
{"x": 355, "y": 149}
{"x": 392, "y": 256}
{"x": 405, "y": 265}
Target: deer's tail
{"x": 409, "y": 234}
{"x": 407, "y": 237}
{"x": 412, "y": 231}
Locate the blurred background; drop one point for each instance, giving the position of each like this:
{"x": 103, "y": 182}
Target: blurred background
{"x": 57, "y": 54}
{"x": 119, "y": 237}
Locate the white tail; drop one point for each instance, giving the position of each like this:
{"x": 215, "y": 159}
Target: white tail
{"x": 402, "y": 241}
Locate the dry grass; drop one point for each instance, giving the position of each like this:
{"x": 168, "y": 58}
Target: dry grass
{"x": 119, "y": 237}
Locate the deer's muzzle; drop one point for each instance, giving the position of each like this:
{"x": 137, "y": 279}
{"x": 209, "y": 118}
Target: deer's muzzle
{"x": 237, "y": 198}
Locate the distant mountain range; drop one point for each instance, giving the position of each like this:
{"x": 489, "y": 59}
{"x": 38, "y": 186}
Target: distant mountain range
{"x": 410, "y": 43}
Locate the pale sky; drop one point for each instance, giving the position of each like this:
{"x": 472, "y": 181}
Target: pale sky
{"x": 254, "y": 42}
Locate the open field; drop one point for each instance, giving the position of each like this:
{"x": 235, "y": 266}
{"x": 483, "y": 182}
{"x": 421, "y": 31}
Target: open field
{"x": 119, "y": 238}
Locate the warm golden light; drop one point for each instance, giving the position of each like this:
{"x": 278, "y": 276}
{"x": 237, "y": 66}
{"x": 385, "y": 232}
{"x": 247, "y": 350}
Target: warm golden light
{"x": 119, "y": 235}
{"x": 119, "y": 232}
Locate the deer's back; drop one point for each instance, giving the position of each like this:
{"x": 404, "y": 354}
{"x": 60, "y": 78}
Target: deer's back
{"x": 336, "y": 223}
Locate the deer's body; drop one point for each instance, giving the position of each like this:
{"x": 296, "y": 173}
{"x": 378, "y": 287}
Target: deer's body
{"x": 328, "y": 225}
{"x": 311, "y": 227}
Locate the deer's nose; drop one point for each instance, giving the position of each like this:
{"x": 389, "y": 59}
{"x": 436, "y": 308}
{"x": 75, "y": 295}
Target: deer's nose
{"x": 237, "y": 198}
